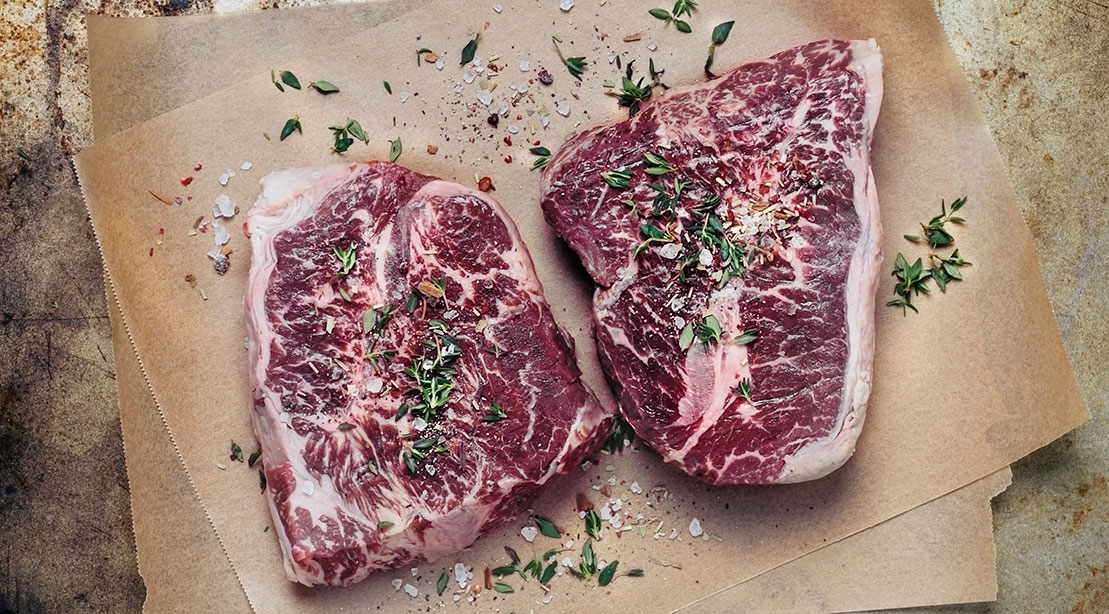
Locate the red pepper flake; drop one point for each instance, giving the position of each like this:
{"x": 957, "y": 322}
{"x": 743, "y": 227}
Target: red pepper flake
{"x": 198, "y": 167}
{"x": 191, "y": 280}
{"x": 177, "y": 199}
{"x": 185, "y": 181}
{"x": 494, "y": 119}
{"x": 432, "y": 149}
{"x": 162, "y": 197}
{"x": 246, "y": 231}
{"x": 161, "y": 231}
{"x": 152, "y": 252}
{"x": 508, "y": 140}
{"x": 485, "y": 184}
{"x": 545, "y": 76}
{"x": 508, "y": 159}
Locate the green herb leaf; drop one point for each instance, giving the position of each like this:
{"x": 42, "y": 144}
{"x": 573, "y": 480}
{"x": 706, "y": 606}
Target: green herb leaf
{"x": 744, "y": 390}
{"x": 682, "y": 26}
{"x": 388, "y": 88}
{"x": 588, "y": 559}
{"x": 607, "y": 573}
{"x": 549, "y": 573}
{"x": 513, "y": 555}
{"x": 546, "y": 527}
{"x": 441, "y": 585}
{"x": 262, "y": 480}
{"x": 684, "y": 7}
{"x": 708, "y": 330}
{"x": 343, "y": 293}
{"x": 617, "y": 179}
{"x": 656, "y": 164}
{"x": 495, "y": 414}
{"x": 469, "y": 50}
{"x": 747, "y": 336}
{"x": 631, "y": 93}
{"x": 634, "y": 573}
{"x": 501, "y": 587}
{"x": 395, "y": 149}
{"x": 289, "y": 79}
{"x": 504, "y": 570}
{"x": 292, "y": 124}
{"x": 347, "y": 259}
{"x": 575, "y": 65}
{"x": 420, "y": 54}
{"x": 254, "y": 456}
{"x": 721, "y": 31}
{"x": 544, "y": 157}
{"x": 324, "y": 87}
{"x": 685, "y": 340}
{"x": 593, "y": 524}
{"x": 345, "y": 426}
{"x": 276, "y": 81}
{"x": 356, "y": 131}
{"x": 372, "y": 466}
{"x": 384, "y": 525}
{"x": 236, "y": 452}
{"x": 662, "y": 14}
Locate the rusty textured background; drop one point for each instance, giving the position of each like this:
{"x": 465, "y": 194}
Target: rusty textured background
{"x": 1041, "y": 74}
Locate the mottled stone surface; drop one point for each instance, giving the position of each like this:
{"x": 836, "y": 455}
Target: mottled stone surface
{"x": 1038, "y": 68}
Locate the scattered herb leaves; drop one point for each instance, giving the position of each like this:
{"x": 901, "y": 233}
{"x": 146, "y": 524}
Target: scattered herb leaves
{"x": 621, "y": 432}
{"x": 544, "y": 157}
{"x": 911, "y": 279}
{"x": 549, "y": 572}
{"x": 384, "y": 525}
{"x": 346, "y": 259}
{"x": 468, "y": 51}
{"x": 617, "y": 179}
{"x": 441, "y": 585}
{"x": 324, "y": 87}
{"x": 684, "y": 7}
{"x": 546, "y": 527}
{"x": 395, "y": 149}
{"x": 254, "y": 456}
{"x": 744, "y": 390}
{"x": 593, "y": 524}
{"x": 501, "y": 587}
{"x": 934, "y": 231}
{"x": 607, "y": 573}
{"x": 289, "y": 79}
{"x": 662, "y": 14}
{"x": 719, "y": 36}
{"x": 495, "y": 414}
{"x": 656, "y": 164}
{"x": 631, "y": 93}
{"x": 388, "y": 88}
{"x": 236, "y": 452}
{"x": 293, "y": 123}
{"x": 746, "y": 336}
{"x": 654, "y": 234}
{"x": 575, "y": 65}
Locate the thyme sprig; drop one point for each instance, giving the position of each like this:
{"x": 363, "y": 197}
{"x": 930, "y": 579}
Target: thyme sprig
{"x": 719, "y": 36}
{"x": 576, "y": 65}
{"x": 934, "y": 231}
{"x": 346, "y": 258}
{"x": 544, "y": 157}
{"x": 912, "y": 279}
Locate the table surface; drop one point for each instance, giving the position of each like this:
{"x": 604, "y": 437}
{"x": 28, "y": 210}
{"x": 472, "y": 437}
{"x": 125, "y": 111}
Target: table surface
{"x": 1039, "y": 71}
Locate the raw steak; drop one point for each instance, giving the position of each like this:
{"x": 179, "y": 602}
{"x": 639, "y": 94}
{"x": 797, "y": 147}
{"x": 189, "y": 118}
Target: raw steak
{"x": 733, "y": 228}
{"x": 411, "y": 388}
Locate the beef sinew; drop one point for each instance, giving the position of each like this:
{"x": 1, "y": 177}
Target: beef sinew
{"x": 411, "y": 387}
{"x": 733, "y": 229}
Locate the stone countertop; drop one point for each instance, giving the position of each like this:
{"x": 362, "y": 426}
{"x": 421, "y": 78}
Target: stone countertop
{"x": 1039, "y": 71}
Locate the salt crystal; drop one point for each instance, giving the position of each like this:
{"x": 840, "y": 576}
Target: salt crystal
{"x": 458, "y": 88}
{"x": 430, "y": 469}
{"x": 497, "y": 8}
{"x": 220, "y": 235}
{"x": 670, "y": 251}
{"x": 468, "y": 74}
{"x": 397, "y": 584}
{"x": 415, "y": 571}
{"x": 479, "y": 66}
{"x": 457, "y": 598}
{"x": 525, "y": 65}
{"x": 226, "y": 176}
{"x": 616, "y": 504}
{"x": 612, "y": 481}
{"x": 606, "y": 513}
{"x": 529, "y": 533}
{"x": 562, "y": 107}
{"x": 404, "y": 96}
{"x": 546, "y": 121}
{"x": 586, "y": 465}
{"x": 548, "y": 597}
{"x": 652, "y": 46}
{"x": 513, "y": 129}
{"x": 419, "y": 424}
{"x": 616, "y": 522}
{"x": 566, "y": 5}
{"x": 460, "y": 574}
{"x": 679, "y": 322}
{"x": 308, "y": 488}
{"x": 612, "y": 58}
{"x": 673, "y": 534}
{"x": 568, "y": 544}
{"x": 485, "y": 98}
{"x": 411, "y": 590}
{"x": 375, "y": 384}
{"x": 224, "y": 207}
{"x": 503, "y": 111}
{"x": 523, "y": 89}
{"x": 677, "y": 303}
{"x": 705, "y": 257}
{"x": 450, "y": 314}
{"x": 246, "y": 166}
{"x": 695, "y": 528}
{"x": 636, "y": 488}
{"x": 567, "y": 562}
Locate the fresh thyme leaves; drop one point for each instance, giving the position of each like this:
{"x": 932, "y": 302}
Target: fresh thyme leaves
{"x": 420, "y": 54}
{"x": 684, "y": 7}
{"x": 910, "y": 279}
{"x": 934, "y": 231}
{"x": 621, "y": 432}
{"x": 384, "y": 525}
{"x": 344, "y": 293}
{"x": 707, "y": 329}
{"x": 607, "y": 574}
{"x": 685, "y": 338}
{"x": 746, "y": 337}
{"x": 346, "y": 134}
{"x": 656, "y": 164}
{"x": 544, "y": 156}
{"x": 546, "y": 527}
{"x": 947, "y": 269}
{"x": 346, "y": 259}
{"x": 236, "y": 452}
{"x": 441, "y": 585}
{"x": 395, "y": 149}
{"x": 719, "y": 35}
{"x": 432, "y": 372}
{"x": 346, "y": 426}
{"x": 324, "y": 87}
{"x": 495, "y": 414}
{"x": 593, "y": 524}
{"x": 662, "y": 14}
{"x": 501, "y": 587}
{"x": 681, "y": 7}
{"x": 467, "y": 52}
{"x": 575, "y": 65}
{"x": 632, "y": 93}
{"x": 293, "y": 123}
{"x": 744, "y": 390}
{"x": 549, "y": 572}
{"x": 388, "y": 88}
{"x": 374, "y": 321}
{"x": 588, "y": 565}
{"x": 254, "y": 456}
{"x": 262, "y": 480}
{"x": 617, "y": 179}
{"x": 654, "y": 234}
{"x": 285, "y": 77}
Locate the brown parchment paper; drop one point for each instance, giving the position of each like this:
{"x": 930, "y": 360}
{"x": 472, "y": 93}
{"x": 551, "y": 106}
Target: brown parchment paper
{"x": 952, "y": 554}
{"x": 911, "y": 452}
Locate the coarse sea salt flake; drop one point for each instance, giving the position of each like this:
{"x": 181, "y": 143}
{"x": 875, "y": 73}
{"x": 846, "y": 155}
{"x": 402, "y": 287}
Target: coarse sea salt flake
{"x": 497, "y": 8}
{"x": 525, "y": 65}
{"x": 397, "y": 584}
{"x": 439, "y": 64}
{"x": 670, "y": 251}
{"x": 404, "y": 96}
{"x": 375, "y": 384}
{"x": 548, "y": 597}
{"x": 308, "y": 488}
{"x": 468, "y": 75}
{"x": 695, "y": 528}
{"x": 411, "y": 590}
{"x": 485, "y": 98}
{"x": 562, "y": 107}
{"x": 652, "y": 46}
{"x": 224, "y": 207}
{"x": 246, "y": 166}
{"x": 529, "y": 533}
{"x": 419, "y": 424}
{"x": 415, "y": 571}
{"x": 566, "y": 5}
{"x": 635, "y": 487}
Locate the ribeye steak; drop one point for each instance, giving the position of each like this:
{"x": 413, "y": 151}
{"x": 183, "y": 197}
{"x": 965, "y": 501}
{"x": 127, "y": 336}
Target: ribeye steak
{"x": 411, "y": 387}
{"x": 733, "y": 229}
